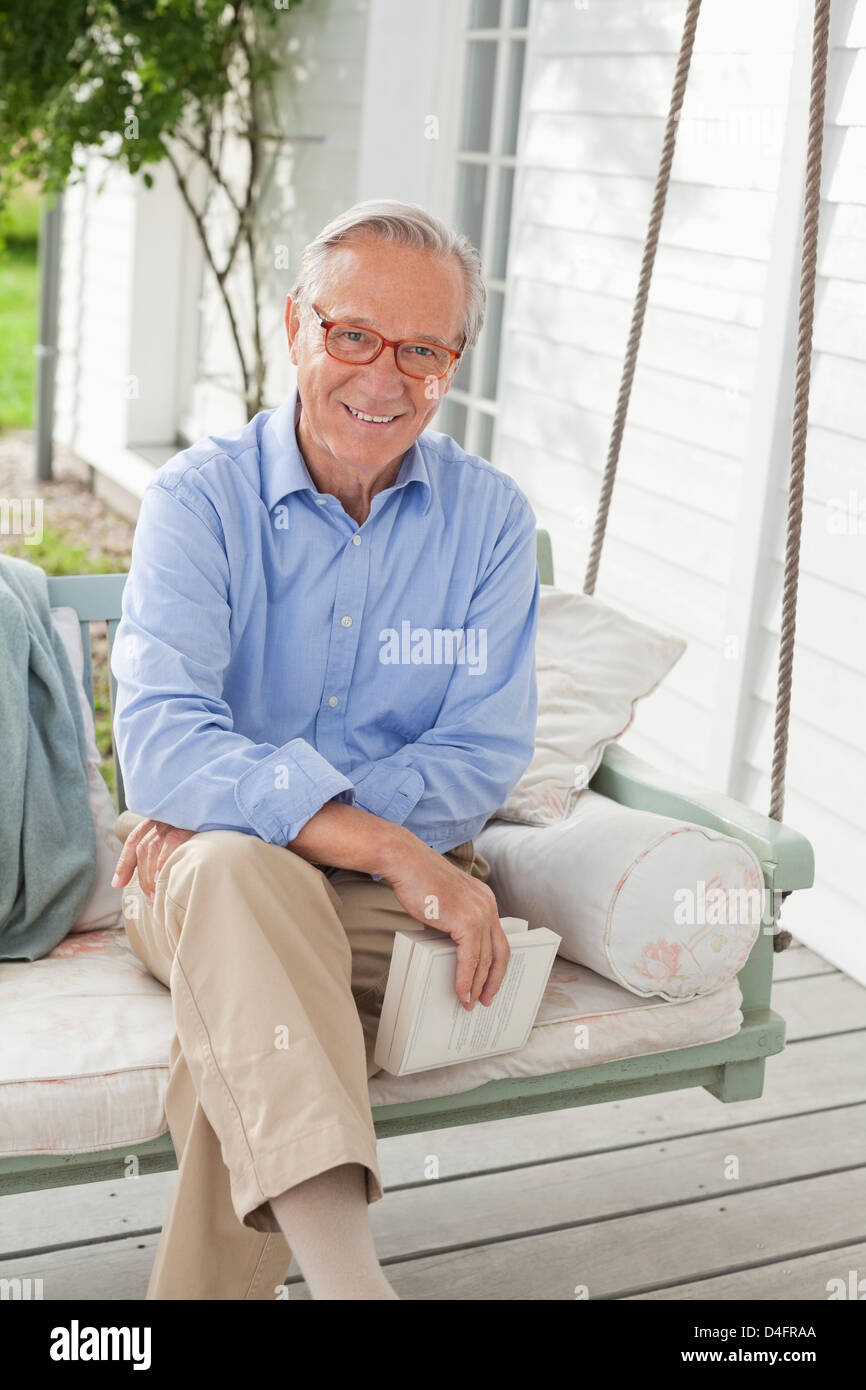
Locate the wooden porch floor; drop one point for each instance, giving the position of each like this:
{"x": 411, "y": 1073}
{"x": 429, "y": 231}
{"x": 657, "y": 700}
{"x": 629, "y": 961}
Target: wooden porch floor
{"x": 633, "y": 1199}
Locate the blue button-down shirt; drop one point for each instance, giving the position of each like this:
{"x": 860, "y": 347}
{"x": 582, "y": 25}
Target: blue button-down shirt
{"x": 274, "y": 655}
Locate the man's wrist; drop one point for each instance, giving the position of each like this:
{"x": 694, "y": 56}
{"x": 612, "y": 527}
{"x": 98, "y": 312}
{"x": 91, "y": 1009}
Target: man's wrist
{"x": 349, "y": 837}
{"x": 395, "y": 843}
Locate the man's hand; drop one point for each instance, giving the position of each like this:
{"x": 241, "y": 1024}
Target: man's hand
{"x": 148, "y": 846}
{"x": 440, "y": 895}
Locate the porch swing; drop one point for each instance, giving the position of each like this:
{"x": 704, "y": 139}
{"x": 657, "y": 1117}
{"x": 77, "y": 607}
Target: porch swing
{"x": 731, "y": 1069}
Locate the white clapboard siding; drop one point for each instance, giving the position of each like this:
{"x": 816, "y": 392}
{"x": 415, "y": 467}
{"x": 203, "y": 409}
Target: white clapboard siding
{"x": 728, "y": 288}
{"x": 644, "y": 26}
{"x": 827, "y": 741}
{"x": 597, "y": 90}
{"x": 94, "y": 306}
{"x": 123, "y": 350}
{"x": 319, "y": 92}
{"x": 597, "y": 322}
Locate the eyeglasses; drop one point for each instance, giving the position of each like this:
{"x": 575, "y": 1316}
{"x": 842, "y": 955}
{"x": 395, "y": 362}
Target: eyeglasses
{"x": 346, "y": 342}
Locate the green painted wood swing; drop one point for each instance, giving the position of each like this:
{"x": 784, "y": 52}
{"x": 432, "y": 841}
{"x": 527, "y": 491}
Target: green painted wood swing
{"x": 732, "y": 1069}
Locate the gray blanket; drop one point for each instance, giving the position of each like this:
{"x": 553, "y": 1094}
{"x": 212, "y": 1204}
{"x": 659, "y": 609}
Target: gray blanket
{"x": 47, "y": 835}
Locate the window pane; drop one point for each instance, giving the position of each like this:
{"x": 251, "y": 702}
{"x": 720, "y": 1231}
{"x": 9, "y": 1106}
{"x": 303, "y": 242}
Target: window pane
{"x": 450, "y": 418}
{"x": 478, "y": 94}
{"x": 499, "y": 258}
{"x": 485, "y": 14}
{"x": 471, "y": 189}
{"x": 520, "y": 15}
{"x": 517, "y": 52}
{"x": 484, "y": 435}
{"x": 492, "y": 335}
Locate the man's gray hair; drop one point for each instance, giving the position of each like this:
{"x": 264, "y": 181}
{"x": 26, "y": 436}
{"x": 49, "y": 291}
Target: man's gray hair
{"x": 408, "y": 224}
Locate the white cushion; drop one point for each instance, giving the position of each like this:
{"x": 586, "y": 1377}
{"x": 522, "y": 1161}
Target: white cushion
{"x": 84, "y": 1047}
{"x": 593, "y": 664}
{"x": 635, "y": 896}
{"x": 103, "y": 907}
{"x": 85, "y": 1034}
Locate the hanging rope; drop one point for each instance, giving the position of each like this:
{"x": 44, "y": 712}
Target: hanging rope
{"x": 802, "y": 378}
{"x": 639, "y": 312}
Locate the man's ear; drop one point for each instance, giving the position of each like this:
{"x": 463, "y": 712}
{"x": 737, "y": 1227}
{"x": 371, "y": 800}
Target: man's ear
{"x": 293, "y": 328}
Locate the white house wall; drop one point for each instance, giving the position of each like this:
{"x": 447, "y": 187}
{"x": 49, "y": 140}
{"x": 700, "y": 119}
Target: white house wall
{"x": 596, "y": 95}
{"x": 412, "y": 102}
{"x": 94, "y": 312}
{"x": 827, "y": 744}
{"x": 320, "y": 91}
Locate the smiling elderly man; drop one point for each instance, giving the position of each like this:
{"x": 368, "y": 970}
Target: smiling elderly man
{"x": 306, "y": 776}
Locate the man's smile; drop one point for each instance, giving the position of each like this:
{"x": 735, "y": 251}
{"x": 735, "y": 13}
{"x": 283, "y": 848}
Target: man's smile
{"x": 377, "y": 421}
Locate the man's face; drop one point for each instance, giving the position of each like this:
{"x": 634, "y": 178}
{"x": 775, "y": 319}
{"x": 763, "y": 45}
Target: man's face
{"x": 402, "y": 292}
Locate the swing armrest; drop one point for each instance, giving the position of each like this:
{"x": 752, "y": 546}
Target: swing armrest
{"x": 630, "y": 781}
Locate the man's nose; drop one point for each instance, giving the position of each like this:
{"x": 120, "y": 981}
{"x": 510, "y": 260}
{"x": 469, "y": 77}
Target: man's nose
{"x": 383, "y": 377}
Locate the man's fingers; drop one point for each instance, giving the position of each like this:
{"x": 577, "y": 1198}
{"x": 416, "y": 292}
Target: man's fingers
{"x": 141, "y": 851}
{"x": 167, "y": 848}
{"x": 147, "y": 856}
{"x": 474, "y": 959}
{"x": 467, "y": 963}
{"x": 128, "y": 859}
{"x": 172, "y": 841}
{"x": 501, "y": 957}
{"x": 156, "y": 853}
{"x": 147, "y": 848}
{"x": 480, "y": 978}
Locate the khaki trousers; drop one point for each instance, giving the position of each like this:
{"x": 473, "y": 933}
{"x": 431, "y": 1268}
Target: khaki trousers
{"x": 277, "y": 970}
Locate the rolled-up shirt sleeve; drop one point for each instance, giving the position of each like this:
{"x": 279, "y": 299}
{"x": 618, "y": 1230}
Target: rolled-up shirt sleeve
{"x": 483, "y": 740}
{"x": 181, "y": 759}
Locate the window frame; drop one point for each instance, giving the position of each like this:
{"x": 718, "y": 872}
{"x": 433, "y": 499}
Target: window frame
{"x": 482, "y": 410}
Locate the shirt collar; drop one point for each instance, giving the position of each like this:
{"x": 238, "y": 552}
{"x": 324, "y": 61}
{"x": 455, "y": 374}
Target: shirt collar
{"x": 284, "y": 470}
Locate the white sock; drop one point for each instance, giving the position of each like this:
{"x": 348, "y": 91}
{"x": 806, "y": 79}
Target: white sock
{"x": 327, "y": 1225}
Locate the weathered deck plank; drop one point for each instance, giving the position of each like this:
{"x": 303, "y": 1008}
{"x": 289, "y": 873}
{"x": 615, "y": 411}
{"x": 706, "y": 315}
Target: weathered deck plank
{"x": 117, "y": 1270}
{"x": 809, "y": 1076}
{"x": 600, "y": 1186}
{"x": 634, "y": 1192}
{"x": 799, "y": 960}
{"x": 650, "y": 1250}
{"x": 805, "y": 1278}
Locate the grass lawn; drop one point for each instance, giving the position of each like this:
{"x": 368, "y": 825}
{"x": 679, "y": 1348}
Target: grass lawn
{"x": 18, "y": 313}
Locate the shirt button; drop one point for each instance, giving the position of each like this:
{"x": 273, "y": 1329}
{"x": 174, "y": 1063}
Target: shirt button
{"x": 347, "y": 621}
{"x": 356, "y": 540}
{"x": 333, "y": 701}
{"x": 321, "y": 501}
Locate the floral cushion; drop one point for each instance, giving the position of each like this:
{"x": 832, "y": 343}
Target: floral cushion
{"x": 86, "y": 1031}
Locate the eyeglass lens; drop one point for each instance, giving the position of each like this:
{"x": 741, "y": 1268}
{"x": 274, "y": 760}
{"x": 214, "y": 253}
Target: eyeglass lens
{"x": 358, "y": 345}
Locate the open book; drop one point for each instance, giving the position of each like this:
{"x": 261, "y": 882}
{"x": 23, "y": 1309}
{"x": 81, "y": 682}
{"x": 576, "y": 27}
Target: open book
{"x": 424, "y": 1025}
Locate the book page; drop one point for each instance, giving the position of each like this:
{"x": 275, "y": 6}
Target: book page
{"x": 444, "y": 1031}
